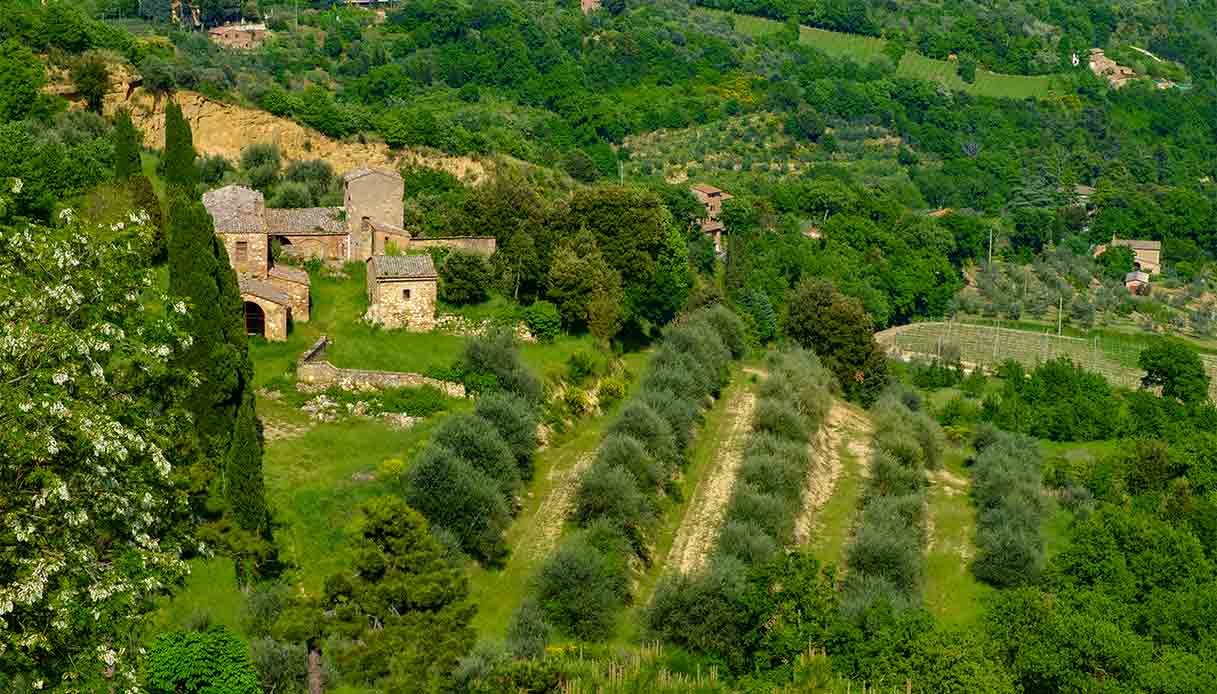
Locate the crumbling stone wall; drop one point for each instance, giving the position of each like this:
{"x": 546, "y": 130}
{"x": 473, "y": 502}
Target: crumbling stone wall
{"x": 312, "y": 367}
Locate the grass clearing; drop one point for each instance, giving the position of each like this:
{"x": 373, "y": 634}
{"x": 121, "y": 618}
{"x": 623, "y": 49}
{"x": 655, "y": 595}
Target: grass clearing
{"x": 834, "y": 521}
{"x": 211, "y": 589}
{"x": 952, "y": 593}
{"x": 865, "y": 49}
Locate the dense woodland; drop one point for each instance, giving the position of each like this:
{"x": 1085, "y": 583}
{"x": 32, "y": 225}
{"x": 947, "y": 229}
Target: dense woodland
{"x": 130, "y": 395}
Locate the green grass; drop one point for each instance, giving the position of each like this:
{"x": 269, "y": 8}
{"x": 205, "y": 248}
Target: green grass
{"x": 952, "y": 593}
{"x": 211, "y": 589}
{"x": 864, "y": 49}
{"x": 835, "y": 521}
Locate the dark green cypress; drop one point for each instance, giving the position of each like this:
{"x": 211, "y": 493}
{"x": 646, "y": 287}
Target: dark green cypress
{"x": 179, "y": 154}
{"x": 126, "y": 147}
{"x": 243, "y": 489}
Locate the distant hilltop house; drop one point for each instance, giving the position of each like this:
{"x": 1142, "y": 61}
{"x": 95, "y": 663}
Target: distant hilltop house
{"x": 366, "y": 227}
{"x": 1147, "y": 255}
{"x": 589, "y": 5}
{"x": 712, "y": 198}
{"x": 1116, "y": 75}
{"x": 239, "y": 36}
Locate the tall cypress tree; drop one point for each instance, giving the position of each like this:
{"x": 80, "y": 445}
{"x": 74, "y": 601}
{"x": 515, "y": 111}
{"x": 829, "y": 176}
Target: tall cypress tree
{"x": 243, "y": 489}
{"x": 126, "y": 147}
{"x": 179, "y": 155}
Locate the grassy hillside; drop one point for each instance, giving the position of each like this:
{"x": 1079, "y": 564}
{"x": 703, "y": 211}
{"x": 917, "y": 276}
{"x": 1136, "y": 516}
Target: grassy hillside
{"x": 864, "y": 49}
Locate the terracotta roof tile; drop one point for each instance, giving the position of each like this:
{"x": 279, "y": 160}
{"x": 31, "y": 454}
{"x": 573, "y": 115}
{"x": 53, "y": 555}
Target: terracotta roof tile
{"x": 403, "y": 266}
{"x": 307, "y": 220}
{"x": 265, "y": 290}
{"x": 290, "y": 274}
{"x": 235, "y": 209}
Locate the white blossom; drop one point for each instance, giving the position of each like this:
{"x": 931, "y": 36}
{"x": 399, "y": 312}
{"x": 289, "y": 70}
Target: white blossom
{"x": 60, "y": 378}
{"x": 18, "y": 184}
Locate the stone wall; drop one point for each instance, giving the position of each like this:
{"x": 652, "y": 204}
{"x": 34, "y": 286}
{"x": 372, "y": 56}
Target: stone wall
{"x": 256, "y": 256}
{"x": 332, "y": 247}
{"x": 312, "y": 367}
{"x": 298, "y": 294}
{"x": 482, "y": 245}
{"x": 389, "y": 306}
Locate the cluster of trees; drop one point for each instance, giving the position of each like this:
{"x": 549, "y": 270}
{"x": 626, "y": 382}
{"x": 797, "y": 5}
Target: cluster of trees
{"x": 465, "y": 481}
{"x": 884, "y": 558}
{"x": 698, "y": 611}
{"x": 1006, "y": 483}
{"x": 582, "y": 586}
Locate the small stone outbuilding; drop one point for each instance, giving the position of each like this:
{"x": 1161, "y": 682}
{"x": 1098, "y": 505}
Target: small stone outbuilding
{"x": 402, "y": 291}
{"x": 712, "y": 199}
{"x": 266, "y": 309}
{"x": 239, "y": 36}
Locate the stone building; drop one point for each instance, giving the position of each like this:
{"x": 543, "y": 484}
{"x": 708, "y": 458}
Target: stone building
{"x": 367, "y": 226}
{"x": 712, "y": 198}
{"x": 1116, "y": 75}
{"x": 402, "y": 291}
{"x": 1147, "y": 255}
{"x": 239, "y": 36}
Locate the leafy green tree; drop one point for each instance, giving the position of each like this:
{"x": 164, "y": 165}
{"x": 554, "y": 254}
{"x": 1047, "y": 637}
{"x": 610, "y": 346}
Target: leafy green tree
{"x": 90, "y": 416}
{"x": 840, "y": 332}
{"x": 1117, "y": 261}
{"x": 201, "y": 662}
{"x": 967, "y": 68}
{"x": 806, "y": 124}
{"x": 1177, "y": 368}
{"x": 579, "y": 274}
{"x": 91, "y": 76}
{"x": 543, "y": 321}
{"x": 126, "y": 147}
{"x": 464, "y": 278}
{"x": 580, "y": 167}
{"x": 402, "y": 607}
{"x": 179, "y": 154}
{"x": 21, "y": 76}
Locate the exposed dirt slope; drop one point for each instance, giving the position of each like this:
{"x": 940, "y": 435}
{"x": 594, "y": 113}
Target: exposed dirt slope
{"x": 225, "y": 129}
{"x": 843, "y": 422}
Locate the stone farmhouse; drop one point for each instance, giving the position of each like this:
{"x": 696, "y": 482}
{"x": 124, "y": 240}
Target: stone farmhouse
{"x": 239, "y": 36}
{"x": 1116, "y": 75}
{"x": 1147, "y": 255}
{"x": 712, "y": 198}
{"x": 368, "y": 227}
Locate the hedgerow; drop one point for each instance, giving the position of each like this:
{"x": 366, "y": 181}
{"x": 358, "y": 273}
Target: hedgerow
{"x": 760, "y": 517}
{"x": 582, "y": 585}
{"x": 1007, "y": 487}
{"x": 885, "y": 556}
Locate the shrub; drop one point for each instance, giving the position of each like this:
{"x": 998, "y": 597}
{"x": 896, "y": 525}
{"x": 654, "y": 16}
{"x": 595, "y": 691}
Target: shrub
{"x": 889, "y": 552}
{"x": 464, "y": 278}
{"x": 609, "y": 492}
{"x": 282, "y": 667}
{"x": 705, "y": 612}
{"x": 516, "y": 423}
{"x": 580, "y": 366}
{"x": 495, "y": 355}
{"x": 620, "y": 450}
{"x": 610, "y": 391}
{"x": 528, "y": 633}
{"x": 729, "y": 327}
{"x": 208, "y": 662}
{"x": 652, "y": 431}
{"x": 767, "y": 512}
{"x": 291, "y": 195}
{"x": 543, "y": 321}
{"x": 889, "y": 477}
{"x": 680, "y": 373}
{"x": 1007, "y": 486}
{"x": 681, "y": 414}
{"x": 579, "y": 588}
{"x": 780, "y": 419}
{"x": 701, "y": 341}
{"x": 212, "y": 169}
{"x": 863, "y": 592}
{"x": 262, "y": 607}
{"x": 775, "y": 475}
{"x": 453, "y": 494}
{"x": 577, "y": 402}
{"x": 747, "y": 542}
{"x": 477, "y": 441}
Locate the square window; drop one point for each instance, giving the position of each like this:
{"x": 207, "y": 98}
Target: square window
{"x": 405, "y": 294}
{"x": 242, "y": 251}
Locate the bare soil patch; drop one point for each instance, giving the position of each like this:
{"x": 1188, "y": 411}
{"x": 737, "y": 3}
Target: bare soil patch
{"x": 699, "y": 529}
{"x": 825, "y": 454}
{"x": 543, "y": 536}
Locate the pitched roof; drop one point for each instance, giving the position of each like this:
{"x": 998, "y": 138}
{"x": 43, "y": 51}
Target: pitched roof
{"x": 403, "y": 266}
{"x": 235, "y": 209}
{"x": 706, "y": 188}
{"x": 265, "y": 290}
{"x": 1138, "y": 244}
{"x": 1137, "y": 276}
{"x": 365, "y": 171}
{"x": 305, "y": 220}
{"x": 290, "y": 274}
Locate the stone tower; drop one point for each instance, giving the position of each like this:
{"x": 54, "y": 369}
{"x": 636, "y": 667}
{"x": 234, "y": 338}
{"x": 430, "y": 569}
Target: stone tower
{"x": 375, "y": 195}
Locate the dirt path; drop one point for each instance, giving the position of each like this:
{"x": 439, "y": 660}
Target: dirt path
{"x": 698, "y": 532}
{"x": 843, "y": 422}
{"x": 542, "y": 536}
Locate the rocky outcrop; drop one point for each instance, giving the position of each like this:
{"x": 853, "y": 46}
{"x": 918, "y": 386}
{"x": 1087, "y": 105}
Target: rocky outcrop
{"x": 225, "y": 129}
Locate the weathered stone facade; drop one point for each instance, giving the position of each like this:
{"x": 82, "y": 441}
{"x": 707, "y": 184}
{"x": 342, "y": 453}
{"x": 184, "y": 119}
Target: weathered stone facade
{"x": 312, "y": 367}
{"x": 294, "y": 283}
{"x": 247, "y": 253}
{"x": 376, "y": 195}
{"x": 264, "y": 313}
{"x": 402, "y": 292}
{"x": 481, "y": 245}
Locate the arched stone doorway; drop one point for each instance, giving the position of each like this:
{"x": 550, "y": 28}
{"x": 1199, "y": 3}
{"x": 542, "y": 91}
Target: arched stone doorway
{"x": 255, "y": 319}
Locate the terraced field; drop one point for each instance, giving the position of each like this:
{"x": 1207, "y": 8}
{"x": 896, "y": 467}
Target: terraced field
{"x": 864, "y": 49}
{"x": 988, "y": 346}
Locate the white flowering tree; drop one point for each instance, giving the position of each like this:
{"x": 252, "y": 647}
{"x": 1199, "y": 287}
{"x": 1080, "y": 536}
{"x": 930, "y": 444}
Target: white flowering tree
{"x": 90, "y": 521}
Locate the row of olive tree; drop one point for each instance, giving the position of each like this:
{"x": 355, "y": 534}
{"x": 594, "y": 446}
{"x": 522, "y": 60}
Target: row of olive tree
{"x": 1006, "y": 486}
{"x": 705, "y": 611}
{"x": 884, "y": 559}
{"x": 465, "y": 481}
{"x": 583, "y": 584}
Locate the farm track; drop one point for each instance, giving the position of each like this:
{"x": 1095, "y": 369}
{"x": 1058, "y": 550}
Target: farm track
{"x": 542, "y": 535}
{"x": 832, "y": 497}
{"x": 699, "y": 529}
